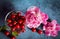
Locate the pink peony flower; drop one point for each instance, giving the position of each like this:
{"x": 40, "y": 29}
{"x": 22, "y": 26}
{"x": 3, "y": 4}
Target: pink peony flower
{"x": 34, "y": 17}
{"x": 51, "y": 28}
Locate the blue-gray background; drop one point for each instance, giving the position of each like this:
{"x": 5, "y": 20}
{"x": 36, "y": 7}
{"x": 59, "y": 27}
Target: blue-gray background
{"x": 51, "y": 7}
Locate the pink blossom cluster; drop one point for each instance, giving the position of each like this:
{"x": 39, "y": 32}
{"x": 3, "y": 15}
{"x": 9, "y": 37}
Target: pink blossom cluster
{"x": 34, "y": 17}
{"x": 51, "y": 28}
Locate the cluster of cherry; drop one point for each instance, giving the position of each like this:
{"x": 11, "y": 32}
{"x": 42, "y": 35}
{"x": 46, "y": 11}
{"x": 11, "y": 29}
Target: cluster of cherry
{"x": 15, "y": 24}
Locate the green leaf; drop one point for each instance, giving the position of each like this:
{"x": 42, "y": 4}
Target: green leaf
{"x": 4, "y": 27}
{"x": 14, "y": 33}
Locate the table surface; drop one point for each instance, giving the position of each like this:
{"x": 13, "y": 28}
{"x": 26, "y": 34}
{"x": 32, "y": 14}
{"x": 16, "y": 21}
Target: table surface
{"x": 50, "y": 7}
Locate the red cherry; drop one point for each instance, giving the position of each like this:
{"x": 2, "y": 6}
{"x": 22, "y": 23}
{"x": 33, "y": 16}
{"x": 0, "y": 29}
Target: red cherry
{"x": 16, "y": 18}
{"x": 40, "y": 31}
{"x": 9, "y": 20}
{"x": 22, "y": 17}
{"x": 18, "y": 13}
{"x": 20, "y": 21}
{"x": 14, "y": 23}
{"x": 23, "y": 30}
{"x": 13, "y": 37}
{"x": 24, "y": 21}
{"x": 13, "y": 28}
{"x": 13, "y": 15}
{"x": 17, "y": 26}
{"x": 10, "y": 25}
{"x": 7, "y": 33}
{"x": 22, "y": 27}
{"x": 33, "y": 30}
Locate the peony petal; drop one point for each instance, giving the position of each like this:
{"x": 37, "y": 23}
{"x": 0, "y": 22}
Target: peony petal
{"x": 45, "y": 22}
{"x": 35, "y": 17}
{"x": 58, "y": 27}
{"x": 45, "y": 16}
{"x": 33, "y": 8}
{"x": 47, "y": 33}
{"x": 54, "y": 22}
{"x": 54, "y": 33}
{"x": 44, "y": 28}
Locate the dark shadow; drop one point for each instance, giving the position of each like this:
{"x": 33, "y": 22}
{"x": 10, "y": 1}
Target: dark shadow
{"x": 5, "y": 7}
